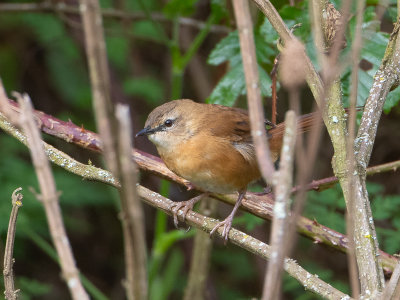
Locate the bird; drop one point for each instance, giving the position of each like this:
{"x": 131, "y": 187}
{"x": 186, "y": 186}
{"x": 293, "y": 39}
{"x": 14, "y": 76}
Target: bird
{"x": 211, "y": 146}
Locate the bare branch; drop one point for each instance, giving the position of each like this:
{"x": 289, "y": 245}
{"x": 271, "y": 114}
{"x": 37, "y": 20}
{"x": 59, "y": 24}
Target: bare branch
{"x": 110, "y": 13}
{"x": 10, "y": 293}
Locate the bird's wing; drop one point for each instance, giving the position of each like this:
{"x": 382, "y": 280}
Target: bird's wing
{"x": 230, "y": 123}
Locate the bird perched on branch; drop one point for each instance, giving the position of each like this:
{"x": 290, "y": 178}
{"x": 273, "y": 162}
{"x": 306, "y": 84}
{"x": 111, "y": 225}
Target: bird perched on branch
{"x": 211, "y": 146}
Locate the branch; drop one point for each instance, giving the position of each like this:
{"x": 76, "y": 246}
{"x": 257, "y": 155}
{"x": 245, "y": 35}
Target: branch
{"x": 10, "y": 293}
{"x": 111, "y": 13}
{"x": 308, "y": 280}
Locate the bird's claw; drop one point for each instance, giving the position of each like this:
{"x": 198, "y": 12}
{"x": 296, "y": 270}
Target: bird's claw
{"x": 185, "y": 206}
{"x": 227, "y": 224}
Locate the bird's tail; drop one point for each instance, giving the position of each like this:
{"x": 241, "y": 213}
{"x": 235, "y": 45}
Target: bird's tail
{"x": 304, "y": 124}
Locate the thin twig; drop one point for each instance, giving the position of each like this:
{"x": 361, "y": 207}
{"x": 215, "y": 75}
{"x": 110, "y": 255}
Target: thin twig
{"x": 284, "y": 182}
{"x": 250, "y": 66}
{"x": 131, "y": 203}
{"x": 274, "y": 75}
{"x": 110, "y": 13}
{"x": 10, "y": 293}
{"x": 49, "y": 198}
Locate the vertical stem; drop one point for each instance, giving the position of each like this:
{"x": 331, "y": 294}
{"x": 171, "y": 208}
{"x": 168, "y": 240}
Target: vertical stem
{"x": 284, "y": 179}
{"x": 356, "y": 49}
{"x": 131, "y": 203}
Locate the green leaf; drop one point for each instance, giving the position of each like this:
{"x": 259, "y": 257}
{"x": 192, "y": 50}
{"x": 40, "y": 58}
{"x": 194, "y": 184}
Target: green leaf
{"x": 268, "y": 32}
{"x": 233, "y": 84}
{"x": 229, "y": 87}
{"x": 227, "y": 49}
{"x": 374, "y": 47}
{"x": 392, "y": 100}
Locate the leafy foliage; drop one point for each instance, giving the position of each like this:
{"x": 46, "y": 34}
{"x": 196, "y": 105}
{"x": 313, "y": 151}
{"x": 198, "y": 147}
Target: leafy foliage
{"x": 233, "y": 84}
{"x": 327, "y": 207}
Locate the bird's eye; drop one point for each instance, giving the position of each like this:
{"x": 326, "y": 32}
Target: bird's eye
{"x": 168, "y": 123}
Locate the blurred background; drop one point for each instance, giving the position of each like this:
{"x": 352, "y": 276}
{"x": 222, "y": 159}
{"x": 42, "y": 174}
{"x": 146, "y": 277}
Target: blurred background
{"x": 158, "y": 51}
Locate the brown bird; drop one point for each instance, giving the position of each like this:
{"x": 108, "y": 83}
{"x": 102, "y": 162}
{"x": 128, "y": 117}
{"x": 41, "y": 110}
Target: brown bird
{"x": 211, "y": 146}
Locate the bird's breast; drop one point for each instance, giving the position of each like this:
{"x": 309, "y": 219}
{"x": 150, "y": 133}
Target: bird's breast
{"x": 211, "y": 163}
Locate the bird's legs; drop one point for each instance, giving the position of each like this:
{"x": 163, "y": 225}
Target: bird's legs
{"x": 227, "y": 223}
{"x": 185, "y": 206}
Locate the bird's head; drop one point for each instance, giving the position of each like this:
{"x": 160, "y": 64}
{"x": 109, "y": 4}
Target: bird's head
{"x": 171, "y": 123}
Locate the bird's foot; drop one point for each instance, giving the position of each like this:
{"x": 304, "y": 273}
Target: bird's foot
{"x": 185, "y": 206}
{"x": 227, "y": 224}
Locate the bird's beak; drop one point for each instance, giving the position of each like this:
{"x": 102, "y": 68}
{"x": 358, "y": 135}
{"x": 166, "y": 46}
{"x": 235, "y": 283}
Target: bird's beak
{"x": 144, "y": 131}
